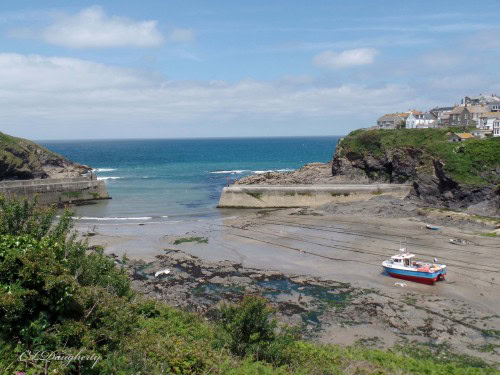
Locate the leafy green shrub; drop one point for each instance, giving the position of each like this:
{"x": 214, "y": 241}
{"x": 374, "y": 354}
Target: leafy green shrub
{"x": 20, "y": 217}
{"x": 250, "y": 325}
{"x": 251, "y": 328}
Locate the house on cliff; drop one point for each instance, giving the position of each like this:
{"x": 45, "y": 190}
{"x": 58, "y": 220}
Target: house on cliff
{"x": 496, "y": 128}
{"x": 487, "y": 119}
{"x": 480, "y": 100}
{"x": 392, "y": 121}
{"x": 476, "y": 112}
{"x": 442, "y": 114}
{"x": 460, "y": 116}
{"x": 419, "y": 120}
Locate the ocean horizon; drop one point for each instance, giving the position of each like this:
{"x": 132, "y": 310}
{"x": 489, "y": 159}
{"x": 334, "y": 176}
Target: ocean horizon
{"x": 161, "y": 179}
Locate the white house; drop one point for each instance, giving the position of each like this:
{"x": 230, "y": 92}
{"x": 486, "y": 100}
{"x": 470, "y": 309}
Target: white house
{"x": 420, "y": 120}
{"x": 487, "y": 120}
{"x": 496, "y": 128}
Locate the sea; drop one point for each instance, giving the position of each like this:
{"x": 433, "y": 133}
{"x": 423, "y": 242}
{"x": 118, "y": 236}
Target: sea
{"x": 155, "y": 179}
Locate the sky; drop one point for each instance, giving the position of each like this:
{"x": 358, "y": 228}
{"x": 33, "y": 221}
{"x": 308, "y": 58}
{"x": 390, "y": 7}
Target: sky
{"x": 77, "y": 69}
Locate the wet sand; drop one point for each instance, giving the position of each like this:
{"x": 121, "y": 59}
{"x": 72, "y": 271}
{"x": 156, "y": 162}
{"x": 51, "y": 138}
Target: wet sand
{"x": 462, "y": 311}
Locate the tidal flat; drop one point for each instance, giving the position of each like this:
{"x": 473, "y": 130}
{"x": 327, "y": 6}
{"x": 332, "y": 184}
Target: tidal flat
{"x": 321, "y": 270}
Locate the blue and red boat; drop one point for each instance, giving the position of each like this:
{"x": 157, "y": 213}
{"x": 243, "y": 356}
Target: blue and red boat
{"x": 402, "y": 266}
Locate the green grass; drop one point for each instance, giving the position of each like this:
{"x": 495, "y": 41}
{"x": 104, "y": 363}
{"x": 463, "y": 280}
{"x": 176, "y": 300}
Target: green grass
{"x": 471, "y": 162}
{"x": 491, "y": 234}
{"x": 191, "y": 239}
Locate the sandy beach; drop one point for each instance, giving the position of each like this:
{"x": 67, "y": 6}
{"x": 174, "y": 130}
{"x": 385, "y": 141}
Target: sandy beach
{"x": 460, "y": 313}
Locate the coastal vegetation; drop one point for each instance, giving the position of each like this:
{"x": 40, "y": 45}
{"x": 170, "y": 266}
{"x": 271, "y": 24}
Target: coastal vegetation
{"x": 21, "y": 159}
{"x": 64, "y": 300}
{"x": 474, "y": 162}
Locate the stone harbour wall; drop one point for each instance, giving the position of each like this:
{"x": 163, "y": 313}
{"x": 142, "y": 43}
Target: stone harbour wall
{"x": 57, "y": 190}
{"x": 259, "y": 196}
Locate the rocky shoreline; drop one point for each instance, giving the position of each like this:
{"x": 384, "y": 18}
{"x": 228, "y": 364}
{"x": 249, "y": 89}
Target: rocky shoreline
{"x": 309, "y": 174}
{"x": 199, "y": 286}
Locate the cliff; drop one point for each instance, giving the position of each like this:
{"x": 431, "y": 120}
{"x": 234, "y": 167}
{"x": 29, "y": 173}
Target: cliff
{"x": 21, "y": 159}
{"x": 442, "y": 173}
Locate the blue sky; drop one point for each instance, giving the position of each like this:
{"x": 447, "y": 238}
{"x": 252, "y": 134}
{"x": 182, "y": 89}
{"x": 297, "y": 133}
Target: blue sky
{"x": 155, "y": 69}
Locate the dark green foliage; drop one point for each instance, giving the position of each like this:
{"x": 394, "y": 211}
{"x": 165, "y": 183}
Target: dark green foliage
{"x": 20, "y": 217}
{"x": 251, "y": 328}
{"x": 250, "y": 325}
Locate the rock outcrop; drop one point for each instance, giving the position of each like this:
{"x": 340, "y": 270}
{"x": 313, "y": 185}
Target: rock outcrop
{"x": 21, "y": 159}
{"x": 443, "y": 174}
{"x": 432, "y": 182}
{"x": 309, "y": 174}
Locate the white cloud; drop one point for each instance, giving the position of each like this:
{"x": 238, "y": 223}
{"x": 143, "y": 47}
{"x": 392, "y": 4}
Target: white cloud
{"x": 182, "y": 35}
{"x": 345, "y": 59}
{"x": 72, "y": 95}
{"x": 93, "y": 28}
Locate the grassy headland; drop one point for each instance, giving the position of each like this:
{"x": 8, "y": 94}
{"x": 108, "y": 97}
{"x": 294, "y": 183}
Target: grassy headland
{"x": 474, "y": 162}
{"x": 21, "y": 159}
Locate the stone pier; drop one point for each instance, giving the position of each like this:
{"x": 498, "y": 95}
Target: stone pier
{"x": 260, "y": 196}
{"x": 57, "y": 190}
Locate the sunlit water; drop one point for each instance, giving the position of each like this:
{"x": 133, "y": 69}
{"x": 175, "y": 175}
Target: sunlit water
{"x": 154, "y": 179}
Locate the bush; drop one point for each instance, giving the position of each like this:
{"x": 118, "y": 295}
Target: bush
{"x": 251, "y": 328}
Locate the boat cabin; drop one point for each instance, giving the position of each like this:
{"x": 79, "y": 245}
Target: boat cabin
{"x": 403, "y": 259}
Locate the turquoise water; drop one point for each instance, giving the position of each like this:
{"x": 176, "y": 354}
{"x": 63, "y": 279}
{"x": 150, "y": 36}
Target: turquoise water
{"x": 167, "y": 177}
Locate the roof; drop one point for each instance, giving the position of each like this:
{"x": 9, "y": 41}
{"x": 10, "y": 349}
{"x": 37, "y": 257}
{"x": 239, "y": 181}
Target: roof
{"x": 458, "y": 110}
{"x": 441, "y": 109}
{"x": 390, "y": 117}
{"x": 464, "y": 135}
{"x": 477, "y": 108}
{"x": 429, "y": 116}
{"x": 491, "y": 114}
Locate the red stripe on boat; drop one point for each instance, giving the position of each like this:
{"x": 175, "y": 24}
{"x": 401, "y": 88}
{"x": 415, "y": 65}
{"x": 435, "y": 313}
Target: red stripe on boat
{"x": 423, "y": 280}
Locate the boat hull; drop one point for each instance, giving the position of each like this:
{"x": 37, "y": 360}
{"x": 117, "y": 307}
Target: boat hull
{"x": 419, "y": 277}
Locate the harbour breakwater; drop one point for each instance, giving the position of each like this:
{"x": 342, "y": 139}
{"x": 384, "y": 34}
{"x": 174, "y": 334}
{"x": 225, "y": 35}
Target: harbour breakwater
{"x": 57, "y": 190}
{"x": 260, "y": 196}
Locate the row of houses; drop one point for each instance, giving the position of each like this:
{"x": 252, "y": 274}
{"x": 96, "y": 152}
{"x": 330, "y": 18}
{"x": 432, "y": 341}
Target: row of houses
{"x": 480, "y": 111}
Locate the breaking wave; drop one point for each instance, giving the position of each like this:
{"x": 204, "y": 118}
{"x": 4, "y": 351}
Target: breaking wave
{"x": 113, "y": 218}
{"x": 236, "y": 171}
{"x": 240, "y": 171}
{"x": 103, "y": 170}
{"x": 108, "y": 178}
